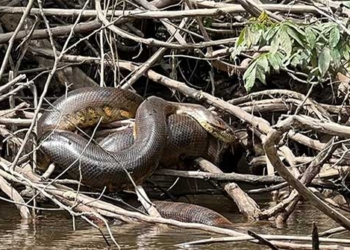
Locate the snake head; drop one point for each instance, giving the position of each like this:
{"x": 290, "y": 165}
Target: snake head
{"x": 219, "y": 129}
{"x": 213, "y": 124}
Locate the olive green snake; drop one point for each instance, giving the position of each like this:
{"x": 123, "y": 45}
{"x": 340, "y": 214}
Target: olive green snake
{"x": 112, "y": 166}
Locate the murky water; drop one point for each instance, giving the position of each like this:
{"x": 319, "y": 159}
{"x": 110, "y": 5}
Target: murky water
{"x": 55, "y": 230}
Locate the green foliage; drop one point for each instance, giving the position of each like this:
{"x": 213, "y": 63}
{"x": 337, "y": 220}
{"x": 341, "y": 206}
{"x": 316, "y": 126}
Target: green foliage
{"x": 316, "y": 49}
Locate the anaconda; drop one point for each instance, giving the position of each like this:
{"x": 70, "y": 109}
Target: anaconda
{"x": 99, "y": 168}
{"x": 190, "y": 213}
{"x": 187, "y": 139}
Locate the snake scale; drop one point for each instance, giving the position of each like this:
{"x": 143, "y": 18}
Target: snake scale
{"x": 160, "y": 127}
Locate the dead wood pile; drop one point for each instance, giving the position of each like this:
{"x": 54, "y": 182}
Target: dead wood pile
{"x": 294, "y": 134}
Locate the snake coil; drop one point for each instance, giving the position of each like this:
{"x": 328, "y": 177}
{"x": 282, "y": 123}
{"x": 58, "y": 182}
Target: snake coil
{"x": 99, "y": 168}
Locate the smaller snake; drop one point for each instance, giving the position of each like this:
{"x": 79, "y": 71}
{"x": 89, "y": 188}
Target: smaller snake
{"x": 190, "y": 213}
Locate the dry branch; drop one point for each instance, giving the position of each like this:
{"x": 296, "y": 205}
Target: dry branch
{"x": 272, "y": 139}
{"x": 245, "y": 204}
{"x": 69, "y": 46}
{"x": 151, "y": 14}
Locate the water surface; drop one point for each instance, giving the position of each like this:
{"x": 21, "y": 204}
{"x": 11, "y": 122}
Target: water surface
{"x": 54, "y": 230}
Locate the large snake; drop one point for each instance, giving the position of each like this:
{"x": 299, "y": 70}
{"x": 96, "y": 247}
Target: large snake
{"x": 99, "y": 168}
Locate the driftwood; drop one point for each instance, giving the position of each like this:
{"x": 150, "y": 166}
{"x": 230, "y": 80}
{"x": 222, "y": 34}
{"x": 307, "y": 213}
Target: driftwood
{"x": 295, "y": 139}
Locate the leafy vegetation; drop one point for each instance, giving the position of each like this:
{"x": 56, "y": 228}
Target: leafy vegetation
{"x": 317, "y": 49}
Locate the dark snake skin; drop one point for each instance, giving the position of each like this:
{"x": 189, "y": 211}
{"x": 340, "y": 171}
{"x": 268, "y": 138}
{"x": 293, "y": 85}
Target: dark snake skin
{"x": 187, "y": 139}
{"x": 98, "y": 168}
{"x": 161, "y": 135}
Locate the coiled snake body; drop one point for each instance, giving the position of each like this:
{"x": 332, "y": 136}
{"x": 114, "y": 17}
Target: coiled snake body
{"x": 95, "y": 166}
{"x": 135, "y": 158}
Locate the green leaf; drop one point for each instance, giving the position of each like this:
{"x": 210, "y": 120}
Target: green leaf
{"x": 260, "y": 74}
{"x": 258, "y": 38}
{"x": 296, "y": 60}
{"x": 251, "y": 66}
{"x": 314, "y": 61}
{"x": 346, "y": 52}
{"x": 263, "y": 63}
{"x": 275, "y": 44}
{"x": 249, "y": 78}
{"x": 286, "y": 42}
{"x": 296, "y": 27}
{"x": 270, "y": 34}
{"x": 236, "y": 52}
{"x": 240, "y": 39}
{"x": 275, "y": 61}
{"x": 264, "y": 17}
{"x": 324, "y": 61}
{"x": 310, "y": 37}
{"x": 295, "y": 35}
{"x": 336, "y": 57}
{"x": 249, "y": 37}
{"x": 334, "y": 37}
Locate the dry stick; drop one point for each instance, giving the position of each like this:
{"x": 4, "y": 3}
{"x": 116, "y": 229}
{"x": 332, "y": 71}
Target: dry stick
{"x": 9, "y": 113}
{"x": 245, "y": 204}
{"x": 296, "y": 246}
{"x": 155, "y": 57}
{"x": 15, "y": 90}
{"x": 16, "y": 197}
{"x": 30, "y": 179}
{"x": 81, "y": 208}
{"x": 280, "y": 104}
{"x": 332, "y": 231}
{"x": 288, "y": 205}
{"x": 273, "y": 139}
{"x": 256, "y": 10}
{"x": 48, "y": 171}
{"x": 266, "y": 236}
{"x": 102, "y": 55}
{"x": 145, "y": 66}
{"x": 160, "y": 4}
{"x": 261, "y": 125}
{"x": 332, "y": 4}
{"x": 171, "y": 29}
{"x": 46, "y": 87}
{"x": 268, "y": 189}
{"x": 24, "y": 45}
{"x": 8, "y": 85}
{"x": 318, "y": 110}
{"x": 262, "y": 240}
{"x": 155, "y": 42}
{"x": 102, "y": 206}
{"x": 146, "y": 202}
{"x": 171, "y": 14}
{"x": 58, "y": 31}
{"x": 310, "y": 173}
{"x": 12, "y": 39}
{"x": 218, "y": 64}
{"x": 16, "y": 121}
{"x": 245, "y": 178}
{"x": 256, "y": 122}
